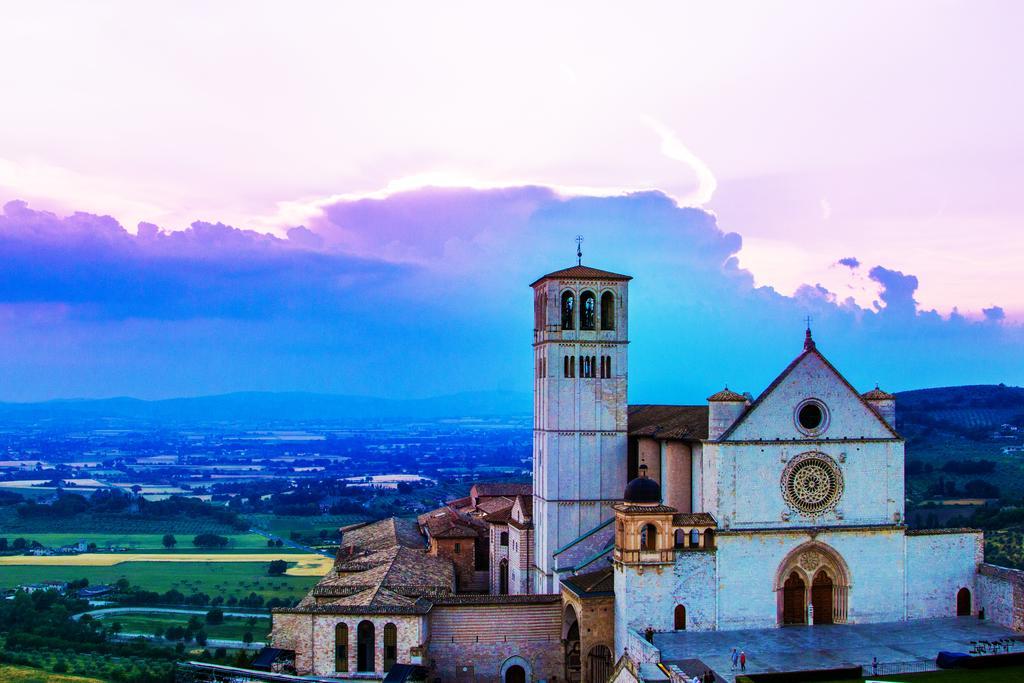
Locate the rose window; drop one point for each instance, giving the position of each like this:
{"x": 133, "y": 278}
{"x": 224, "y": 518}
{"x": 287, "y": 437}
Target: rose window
{"x": 812, "y": 484}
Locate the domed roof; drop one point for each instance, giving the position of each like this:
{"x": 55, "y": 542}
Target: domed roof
{"x": 642, "y": 489}
{"x": 727, "y": 395}
{"x": 877, "y": 394}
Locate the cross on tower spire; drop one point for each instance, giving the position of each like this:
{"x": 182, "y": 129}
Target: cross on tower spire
{"x": 808, "y": 340}
{"x": 579, "y": 250}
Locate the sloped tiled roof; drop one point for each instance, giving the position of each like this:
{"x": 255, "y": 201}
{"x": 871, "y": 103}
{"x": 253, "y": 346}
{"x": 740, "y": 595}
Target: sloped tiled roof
{"x": 500, "y": 489}
{"x": 694, "y": 519}
{"x": 592, "y": 584}
{"x": 381, "y": 534}
{"x": 446, "y": 522}
{"x": 668, "y": 422}
{"x": 727, "y": 395}
{"x": 877, "y": 394}
{"x": 580, "y": 272}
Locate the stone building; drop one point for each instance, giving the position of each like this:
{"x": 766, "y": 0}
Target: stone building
{"x": 739, "y": 513}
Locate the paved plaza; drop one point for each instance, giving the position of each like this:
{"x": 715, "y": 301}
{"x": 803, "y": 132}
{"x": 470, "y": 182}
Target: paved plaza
{"x": 795, "y": 648}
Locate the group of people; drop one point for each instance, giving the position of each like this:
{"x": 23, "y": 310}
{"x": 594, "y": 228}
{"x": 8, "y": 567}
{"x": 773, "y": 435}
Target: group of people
{"x": 738, "y": 659}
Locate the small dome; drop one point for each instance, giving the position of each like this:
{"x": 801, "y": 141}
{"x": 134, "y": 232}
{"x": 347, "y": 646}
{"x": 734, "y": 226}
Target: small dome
{"x": 877, "y": 394}
{"x": 642, "y": 489}
{"x": 727, "y": 395}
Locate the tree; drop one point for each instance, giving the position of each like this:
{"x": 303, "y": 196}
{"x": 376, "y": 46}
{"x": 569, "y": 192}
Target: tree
{"x": 247, "y": 637}
{"x": 3, "y": 544}
{"x": 277, "y": 567}
{"x": 215, "y": 616}
{"x": 115, "y": 627}
{"x": 60, "y": 667}
{"x": 210, "y": 541}
{"x": 169, "y": 541}
{"x": 201, "y": 637}
{"x": 19, "y": 544}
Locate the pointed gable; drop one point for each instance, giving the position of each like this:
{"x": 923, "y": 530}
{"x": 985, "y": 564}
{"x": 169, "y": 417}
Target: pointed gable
{"x": 810, "y": 377}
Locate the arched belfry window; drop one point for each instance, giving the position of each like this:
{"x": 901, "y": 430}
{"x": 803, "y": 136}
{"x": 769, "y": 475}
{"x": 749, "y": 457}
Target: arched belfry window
{"x": 588, "y": 311}
{"x": 649, "y": 537}
{"x": 568, "y": 311}
{"x": 607, "y": 311}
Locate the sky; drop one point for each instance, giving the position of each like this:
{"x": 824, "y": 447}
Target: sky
{"x": 353, "y": 197}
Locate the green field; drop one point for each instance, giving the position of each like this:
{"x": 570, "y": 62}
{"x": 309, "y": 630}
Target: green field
{"x": 233, "y": 628}
{"x": 224, "y": 579}
{"x": 144, "y": 542}
{"x": 283, "y": 525}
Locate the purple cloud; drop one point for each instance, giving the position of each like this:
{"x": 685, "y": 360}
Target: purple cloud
{"x": 994, "y": 314}
{"x": 850, "y": 262}
{"x": 897, "y": 291}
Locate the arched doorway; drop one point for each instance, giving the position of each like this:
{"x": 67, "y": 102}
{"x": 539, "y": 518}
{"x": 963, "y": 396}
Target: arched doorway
{"x": 821, "y": 597}
{"x": 794, "y": 591}
{"x": 573, "y": 663}
{"x": 680, "y": 618}
{"x": 963, "y": 603}
{"x": 503, "y": 577}
{"x": 812, "y": 575}
{"x": 515, "y": 674}
{"x": 599, "y": 664}
{"x": 366, "y": 655}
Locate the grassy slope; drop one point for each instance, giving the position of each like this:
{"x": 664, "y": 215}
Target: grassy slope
{"x": 24, "y": 674}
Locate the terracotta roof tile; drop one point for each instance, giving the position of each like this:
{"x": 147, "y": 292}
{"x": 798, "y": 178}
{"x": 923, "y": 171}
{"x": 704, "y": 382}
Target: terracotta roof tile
{"x": 668, "y": 422}
{"x": 580, "y": 272}
{"x": 694, "y": 519}
{"x": 601, "y": 581}
{"x": 500, "y": 489}
{"x": 877, "y": 394}
{"x": 727, "y": 395}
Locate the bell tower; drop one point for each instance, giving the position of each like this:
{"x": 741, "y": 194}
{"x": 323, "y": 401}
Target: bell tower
{"x": 579, "y": 408}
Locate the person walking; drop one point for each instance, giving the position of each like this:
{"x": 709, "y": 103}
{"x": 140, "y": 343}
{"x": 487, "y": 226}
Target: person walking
{"x": 743, "y": 661}
{"x": 734, "y": 658}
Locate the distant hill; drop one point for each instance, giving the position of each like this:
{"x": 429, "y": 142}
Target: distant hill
{"x": 269, "y": 407}
{"x": 972, "y": 407}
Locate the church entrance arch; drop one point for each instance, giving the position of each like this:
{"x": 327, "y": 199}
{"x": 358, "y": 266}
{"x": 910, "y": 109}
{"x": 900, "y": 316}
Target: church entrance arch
{"x": 813, "y": 586}
{"x": 963, "y": 603}
{"x": 515, "y": 674}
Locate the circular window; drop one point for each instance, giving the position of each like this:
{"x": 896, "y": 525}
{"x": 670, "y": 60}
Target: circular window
{"x": 811, "y": 417}
{"x": 812, "y": 483}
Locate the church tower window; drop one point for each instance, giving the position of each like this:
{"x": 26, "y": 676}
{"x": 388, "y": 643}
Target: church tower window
{"x": 607, "y": 311}
{"x": 588, "y": 311}
{"x": 568, "y": 311}
{"x": 649, "y": 537}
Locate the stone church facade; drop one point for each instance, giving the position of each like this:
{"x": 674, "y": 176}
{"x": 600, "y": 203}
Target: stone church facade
{"x": 739, "y": 513}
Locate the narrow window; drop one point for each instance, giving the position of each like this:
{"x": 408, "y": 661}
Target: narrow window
{"x": 565, "y": 366}
{"x": 341, "y": 647}
{"x": 568, "y": 311}
{"x": 694, "y": 538}
{"x": 572, "y": 366}
{"x": 588, "y": 311}
{"x": 607, "y": 311}
{"x": 680, "y": 618}
{"x": 366, "y": 650}
{"x": 680, "y": 538}
{"x": 504, "y": 538}
{"x": 390, "y": 646}
{"x": 458, "y": 548}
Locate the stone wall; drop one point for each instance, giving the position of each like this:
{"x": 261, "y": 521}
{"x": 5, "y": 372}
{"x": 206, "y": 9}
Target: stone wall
{"x": 312, "y": 637}
{"x": 462, "y": 553}
{"x": 596, "y": 616}
{"x": 939, "y": 564}
{"x": 648, "y": 598}
{"x": 498, "y": 552}
{"x": 471, "y": 643}
{"x": 1001, "y": 595}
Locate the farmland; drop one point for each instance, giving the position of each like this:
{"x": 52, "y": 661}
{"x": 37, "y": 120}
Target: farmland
{"x": 24, "y": 674}
{"x": 153, "y": 542}
{"x": 219, "y": 576}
